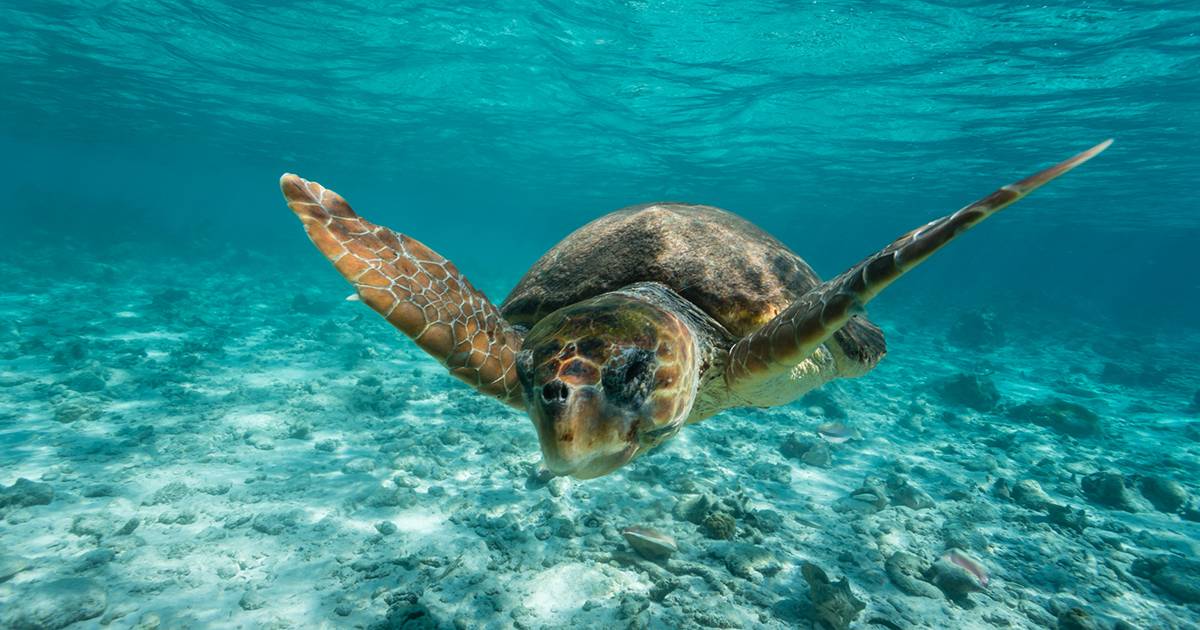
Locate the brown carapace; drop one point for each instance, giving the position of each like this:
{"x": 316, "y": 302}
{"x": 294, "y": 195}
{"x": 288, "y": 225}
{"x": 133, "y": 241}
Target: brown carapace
{"x": 638, "y": 323}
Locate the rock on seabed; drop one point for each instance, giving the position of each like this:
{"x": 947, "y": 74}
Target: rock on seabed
{"x": 56, "y": 604}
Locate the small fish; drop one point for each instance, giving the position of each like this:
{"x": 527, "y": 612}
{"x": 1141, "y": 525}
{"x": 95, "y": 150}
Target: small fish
{"x": 972, "y": 566}
{"x": 837, "y": 433}
{"x": 353, "y": 297}
{"x": 651, "y": 544}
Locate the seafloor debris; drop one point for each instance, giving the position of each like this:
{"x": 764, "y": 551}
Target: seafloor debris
{"x": 811, "y": 452}
{"x": 751, "y": 562}
{"x": 1166, "y": 495}
{"x": 834, "y": 602}
{"x": 1060, "y": 415}
{"x": 1178, "y": 576}
{"x": 970, "y": 390}
{"x": 284, "y": 462}
{"x": 907, "y": 572}
{"x": 24, "y": 493}
{"x": 958, "y": 574}
{"x": 1110, "y": 490}
{"x": 650, "y": 543}
{"x": 719, "y": 525}
{"x": 56, "y": 604}
{"x": 904, "y": 492}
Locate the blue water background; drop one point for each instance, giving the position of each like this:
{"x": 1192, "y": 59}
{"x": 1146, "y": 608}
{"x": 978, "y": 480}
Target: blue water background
{"x": 490, "y": 130}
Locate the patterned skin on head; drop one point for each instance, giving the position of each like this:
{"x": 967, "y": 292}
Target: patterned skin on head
{"x": 607, "y": 380}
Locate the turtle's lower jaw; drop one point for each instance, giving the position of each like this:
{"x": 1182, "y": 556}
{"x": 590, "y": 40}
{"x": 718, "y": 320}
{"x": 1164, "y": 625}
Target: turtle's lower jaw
{"x": 582, "y": 434}
{"x": 595, "y": 465}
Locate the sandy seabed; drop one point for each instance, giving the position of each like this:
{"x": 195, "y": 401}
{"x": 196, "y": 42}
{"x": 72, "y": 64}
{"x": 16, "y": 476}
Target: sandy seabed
{"x": 186, "y": 446}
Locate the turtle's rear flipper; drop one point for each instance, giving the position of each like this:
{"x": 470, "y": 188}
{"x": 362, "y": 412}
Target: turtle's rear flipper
{"x": 797, "y": 331}
{"x": 414, "y": 288}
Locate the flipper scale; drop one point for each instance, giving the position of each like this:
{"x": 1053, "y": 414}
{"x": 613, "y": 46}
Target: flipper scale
{"x": 415, "y": 289}
{"x": 810, "y": 321}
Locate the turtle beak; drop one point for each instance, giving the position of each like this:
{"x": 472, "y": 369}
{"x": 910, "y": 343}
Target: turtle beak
{"x": 580, "y": 434}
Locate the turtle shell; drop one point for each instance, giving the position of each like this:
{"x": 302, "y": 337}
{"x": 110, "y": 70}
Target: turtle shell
{"x": 730, "y": 268}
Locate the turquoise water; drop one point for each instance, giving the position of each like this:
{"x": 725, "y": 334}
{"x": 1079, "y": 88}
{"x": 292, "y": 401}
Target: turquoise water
{"x": 175, "y": 357}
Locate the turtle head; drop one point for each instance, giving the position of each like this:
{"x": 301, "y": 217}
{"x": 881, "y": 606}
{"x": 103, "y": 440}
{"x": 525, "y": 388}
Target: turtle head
{"x": 606, "y": 380}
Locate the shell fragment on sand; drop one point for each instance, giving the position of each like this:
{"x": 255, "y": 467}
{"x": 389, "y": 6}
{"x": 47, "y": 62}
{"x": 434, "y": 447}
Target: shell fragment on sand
{"x": 972, "y": 566}
{"x": 649, "y": 543}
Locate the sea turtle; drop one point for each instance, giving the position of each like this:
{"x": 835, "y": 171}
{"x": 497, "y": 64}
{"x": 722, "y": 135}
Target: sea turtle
{"x": 642, "y": 321}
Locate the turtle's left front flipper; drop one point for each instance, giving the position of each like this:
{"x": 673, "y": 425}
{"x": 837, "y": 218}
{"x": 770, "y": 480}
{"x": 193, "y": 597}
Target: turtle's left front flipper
{"x": 415, "y": 289}
{"x": 796, "y": 332}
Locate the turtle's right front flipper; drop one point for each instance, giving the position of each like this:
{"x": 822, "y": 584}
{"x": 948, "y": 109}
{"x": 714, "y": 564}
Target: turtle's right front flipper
{"x": 795, "y": 333}
{"x": 415, "y": 289}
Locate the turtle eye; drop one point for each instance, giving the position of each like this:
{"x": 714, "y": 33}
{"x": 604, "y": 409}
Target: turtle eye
{"x": 627, "y": 379}
{"x": 636, "y": 369}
